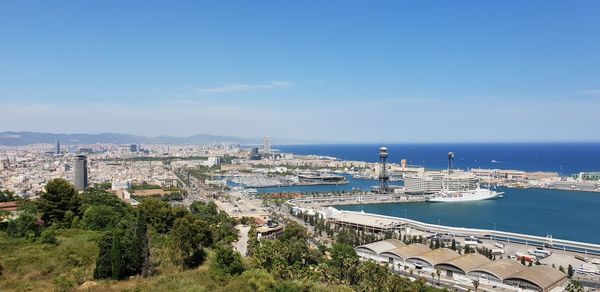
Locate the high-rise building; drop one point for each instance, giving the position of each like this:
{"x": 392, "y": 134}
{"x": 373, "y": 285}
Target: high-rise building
{"x": 254, "y": 154}
{"x": 57, "y": 147}
{"x": 80, "y": 172}
{"x": 266, "y": 145}
{"x": 133, "y": 148}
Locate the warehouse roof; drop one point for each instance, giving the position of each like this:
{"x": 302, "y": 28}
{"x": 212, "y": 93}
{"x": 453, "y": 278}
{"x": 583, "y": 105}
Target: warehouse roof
{"x": 381, "y": 246}
{"x": 407, "y": 251}
{"x": 436, "y": 256}
{"x": 501, "y": 269}
{"x": 467, "y": 262}
{"x": 542, "y": 276}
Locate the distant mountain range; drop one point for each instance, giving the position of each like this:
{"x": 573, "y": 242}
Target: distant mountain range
{"x": 27, "y": 138}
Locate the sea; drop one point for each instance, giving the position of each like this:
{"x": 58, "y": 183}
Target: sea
{"x": 561, "y": 214}
{"x": 564, "y": 158}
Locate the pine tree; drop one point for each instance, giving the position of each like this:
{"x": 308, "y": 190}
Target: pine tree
{"x": 103, "y": 268}
{"x": 141, "y": 231}
{"x": 116, "y": 257}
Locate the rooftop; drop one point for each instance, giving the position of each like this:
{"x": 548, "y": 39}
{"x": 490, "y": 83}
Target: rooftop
{"x": 437, "y": 256}
{"x": 408, "y": 251}
{"x": 365, "y": 219}
{"x": 501, "y": 269}
{"x": 382, "y": 245}
{"x": 467, "y": 262}
{"x": 543, "y": 276}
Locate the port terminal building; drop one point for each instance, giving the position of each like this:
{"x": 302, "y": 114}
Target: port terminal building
{"x": 506, "y": 274}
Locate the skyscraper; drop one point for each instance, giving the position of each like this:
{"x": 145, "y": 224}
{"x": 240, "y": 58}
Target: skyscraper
{"x": 80, "y": 172}
{"x": 266, "y": 145}
{"x": 254, "y": 154}
{"x": 57, "y": 147}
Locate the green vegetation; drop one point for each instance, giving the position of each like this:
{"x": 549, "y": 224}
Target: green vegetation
{"x": 7, "y": 196}
{"x": 103, "y": 186}
{"x": 145, "y": 186}
{"x": 95, "y": 241}
{"x": 204, "y": 172}
{"x": 34, "y": 265}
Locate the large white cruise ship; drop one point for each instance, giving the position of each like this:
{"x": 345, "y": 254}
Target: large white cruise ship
{"x": 477, "y": 194}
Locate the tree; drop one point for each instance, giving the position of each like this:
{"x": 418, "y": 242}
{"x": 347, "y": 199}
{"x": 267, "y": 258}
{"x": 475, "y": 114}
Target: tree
{"x": 575, "y": 286}
{"x": 100, "y": 217}
{"x": 253, "y": 243}
{"x": 115, "y": 257}
{"x": 294, "y": 231}
{"x": 372, "y": 276}
{"x": 158, "y": 214}
{"x": 7, "y": 196}
{"x": 119, "y": 254}
{"x": 226, "y": 261}
{"x": 60, "y": 196}
{"x": 475, "y": 284}
{"x": 344, "y": 261}
{"x": 570, "y": 271}
{"x": 143, "y": 249}
{"x": 206, "y": 211}
{"x": 190, "y": 235}
{"x": 103, "y": 268}
{"x": 26, "y": 225}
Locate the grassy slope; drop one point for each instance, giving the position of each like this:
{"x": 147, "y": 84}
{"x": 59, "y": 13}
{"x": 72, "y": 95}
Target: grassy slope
{"x": 34, "y": 266}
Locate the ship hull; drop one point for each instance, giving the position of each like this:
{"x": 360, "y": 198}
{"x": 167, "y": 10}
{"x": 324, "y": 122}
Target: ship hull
{"x": 465, "y": 197}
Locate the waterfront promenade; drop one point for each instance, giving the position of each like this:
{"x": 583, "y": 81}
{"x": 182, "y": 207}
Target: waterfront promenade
{"x": 398, "y": 223}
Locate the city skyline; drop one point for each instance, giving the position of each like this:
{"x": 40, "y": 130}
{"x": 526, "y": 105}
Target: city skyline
{"x": 335, "y": 72}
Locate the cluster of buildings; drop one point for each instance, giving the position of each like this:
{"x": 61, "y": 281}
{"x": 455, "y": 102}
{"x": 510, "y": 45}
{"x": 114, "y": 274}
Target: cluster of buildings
{"x": 506, "y": 274}
{"x": 26, "y": 170}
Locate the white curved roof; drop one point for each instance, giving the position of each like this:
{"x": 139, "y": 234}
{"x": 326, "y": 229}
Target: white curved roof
{"x": 381, "y": 246}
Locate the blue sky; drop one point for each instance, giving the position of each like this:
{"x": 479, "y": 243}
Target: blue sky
{"x": 339, "y": 71}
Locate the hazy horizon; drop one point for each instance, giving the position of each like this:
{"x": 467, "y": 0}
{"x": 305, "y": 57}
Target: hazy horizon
{"x": 335, "y": 71}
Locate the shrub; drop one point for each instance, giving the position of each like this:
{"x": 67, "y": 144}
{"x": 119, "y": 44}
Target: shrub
{"x": 226, "y": 261}
{"x": 48, "y": 237}
{"x": 26, "y": 225}
{"x": 62, "y": 283}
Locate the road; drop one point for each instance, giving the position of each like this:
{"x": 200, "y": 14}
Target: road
{"x": 242, "y": 244}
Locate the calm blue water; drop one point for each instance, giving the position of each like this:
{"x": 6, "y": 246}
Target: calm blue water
{"x": 355, "y": 184}
{"x": 564, "y": 214}
{"x": 565, "y": 158}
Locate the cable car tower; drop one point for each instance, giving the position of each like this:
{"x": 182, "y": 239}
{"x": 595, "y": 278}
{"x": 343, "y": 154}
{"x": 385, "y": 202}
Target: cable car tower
{"x": 383, "y": 175}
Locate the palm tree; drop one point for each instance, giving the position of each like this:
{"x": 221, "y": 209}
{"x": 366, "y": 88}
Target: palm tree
{"x": 438, "y": 272}
{"x": 475, "y": 284}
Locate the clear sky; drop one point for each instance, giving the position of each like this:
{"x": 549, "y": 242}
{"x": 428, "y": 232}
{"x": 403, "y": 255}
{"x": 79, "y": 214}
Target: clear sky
{"x": 338, "y": 71}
